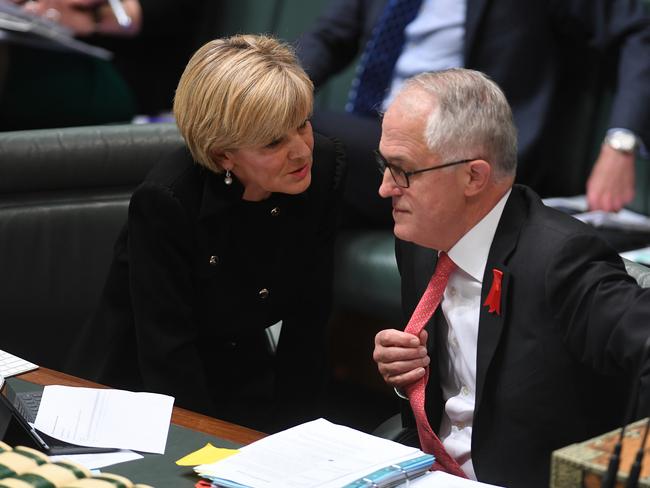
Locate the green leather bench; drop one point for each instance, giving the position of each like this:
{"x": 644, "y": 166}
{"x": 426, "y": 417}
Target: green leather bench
{"x": 63, "y": 198}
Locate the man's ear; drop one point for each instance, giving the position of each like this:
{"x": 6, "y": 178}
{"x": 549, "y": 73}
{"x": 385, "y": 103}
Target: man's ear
{"x": 479, "y": 173}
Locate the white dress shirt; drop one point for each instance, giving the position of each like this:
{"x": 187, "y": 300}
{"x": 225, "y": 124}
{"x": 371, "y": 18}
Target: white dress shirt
{"x": 461, "y": 304}
{"x": 433, "y": 41}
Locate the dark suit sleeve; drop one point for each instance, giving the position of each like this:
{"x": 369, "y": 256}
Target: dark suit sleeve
{"x": 620, "y": 28}
{"x": 604, "y": 313}
{"x": 163, "y": 297}
{"x": 166, "y": 17}
{"x": 334, "y": 40}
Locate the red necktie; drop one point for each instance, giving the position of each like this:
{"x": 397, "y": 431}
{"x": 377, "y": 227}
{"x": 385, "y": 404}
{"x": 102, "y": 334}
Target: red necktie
{"x": 416, "y": 392}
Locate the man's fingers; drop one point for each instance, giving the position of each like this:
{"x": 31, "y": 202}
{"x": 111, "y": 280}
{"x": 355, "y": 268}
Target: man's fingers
{"x": 424, "y": 335}
{"x": 398, "y": 368}
{"x": 393, "y": 354}
{"x": 405, "y": 379}
{"x": 393, "y": 337}
{"x": 611, "y": 183}
{"x": 401, "y": 357}
{"x": 84, "y": 3}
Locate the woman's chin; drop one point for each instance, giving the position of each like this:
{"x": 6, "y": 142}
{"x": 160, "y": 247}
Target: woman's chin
{"x": 300, "y": 185}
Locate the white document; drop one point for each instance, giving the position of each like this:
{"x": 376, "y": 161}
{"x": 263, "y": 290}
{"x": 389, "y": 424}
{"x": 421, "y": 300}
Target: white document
{"x": 439, "y": 479}
{"x": 315, "y": 454}
{"x": 638, "y": 255}
{"x": 100, "y": 459}
{"x": 575, "y": 204}
{"x": 623, "y": 219}
{"x": 106, "y": 418}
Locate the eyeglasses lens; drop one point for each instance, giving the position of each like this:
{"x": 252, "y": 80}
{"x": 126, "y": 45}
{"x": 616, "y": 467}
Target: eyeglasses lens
{"x": 398, "y": 175}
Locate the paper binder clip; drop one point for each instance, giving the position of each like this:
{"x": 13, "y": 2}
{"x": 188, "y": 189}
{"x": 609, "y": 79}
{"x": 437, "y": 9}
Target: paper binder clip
{"x": 404, "y": 473}
{"x": 370, "y": 483}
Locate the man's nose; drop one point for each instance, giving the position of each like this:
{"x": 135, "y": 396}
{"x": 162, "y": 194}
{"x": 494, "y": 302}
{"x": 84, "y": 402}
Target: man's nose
{"x": 388, "y": 187}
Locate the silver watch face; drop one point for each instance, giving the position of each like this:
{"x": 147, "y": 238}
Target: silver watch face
{"x": 621, "y": 141}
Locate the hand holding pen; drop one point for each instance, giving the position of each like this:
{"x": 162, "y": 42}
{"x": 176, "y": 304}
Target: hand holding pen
{"x": 86, "y": 17}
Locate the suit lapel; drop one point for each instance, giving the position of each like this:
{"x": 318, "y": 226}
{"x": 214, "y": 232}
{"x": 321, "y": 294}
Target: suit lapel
{"x": 425, "y": 263}
{"x": 491, "y": 324}
{"x": 473, "y": 17}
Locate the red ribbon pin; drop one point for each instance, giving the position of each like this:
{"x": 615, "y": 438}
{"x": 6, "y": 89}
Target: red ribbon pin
{"x": 493, "y": 300}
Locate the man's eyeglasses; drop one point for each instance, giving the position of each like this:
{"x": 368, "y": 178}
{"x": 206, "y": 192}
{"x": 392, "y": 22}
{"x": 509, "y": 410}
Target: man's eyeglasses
{"x": 401, "y": 177}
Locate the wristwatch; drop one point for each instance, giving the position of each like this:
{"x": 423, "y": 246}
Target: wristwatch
{"x": 622, "y": 140}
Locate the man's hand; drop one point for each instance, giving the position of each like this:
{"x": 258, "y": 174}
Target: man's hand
{"x": 611, "y": 184}
{"x": 77, "y": 15}
{"x": 86, "y": 17}
{"x": 401, "y": 357}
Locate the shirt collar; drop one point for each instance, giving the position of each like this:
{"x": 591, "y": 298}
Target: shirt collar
{"x": 470, "y": 253}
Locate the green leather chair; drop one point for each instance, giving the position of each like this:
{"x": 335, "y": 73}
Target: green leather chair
{"x": 64, "y": 195}
{"x": 57, "y": 89}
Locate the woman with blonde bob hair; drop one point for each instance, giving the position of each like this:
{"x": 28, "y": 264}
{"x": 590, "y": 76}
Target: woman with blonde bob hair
{"x": 223, "y": 241}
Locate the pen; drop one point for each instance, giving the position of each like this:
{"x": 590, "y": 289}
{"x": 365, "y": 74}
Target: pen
{"x": 120, "y": 14}
{"x": 39, "y": 439}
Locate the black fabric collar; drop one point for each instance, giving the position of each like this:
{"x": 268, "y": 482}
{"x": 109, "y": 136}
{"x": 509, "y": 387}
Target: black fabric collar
{"x": 219, "y": 197}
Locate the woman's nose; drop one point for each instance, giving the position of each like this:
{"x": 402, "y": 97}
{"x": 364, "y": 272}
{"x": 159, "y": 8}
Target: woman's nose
{"x": 299, "y": 147}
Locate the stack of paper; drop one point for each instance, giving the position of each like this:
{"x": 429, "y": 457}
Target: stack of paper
{"x": 21, "y": 27}
{"x": 318, "y": 453}
{"x": 623, "y": 219}
{"x": 641, "y": 256}
{"x": 439, "y": 479}
{"x": 106, "y": 418}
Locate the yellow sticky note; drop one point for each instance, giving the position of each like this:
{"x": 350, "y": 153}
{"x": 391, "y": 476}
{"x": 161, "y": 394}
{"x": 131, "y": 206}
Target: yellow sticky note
{"x": 206, "y": 455}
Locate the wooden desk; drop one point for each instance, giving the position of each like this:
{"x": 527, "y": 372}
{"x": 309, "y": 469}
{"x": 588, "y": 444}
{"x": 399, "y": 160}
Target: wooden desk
{"x": 157, "y": 470}
{"x": 180, "y": 416}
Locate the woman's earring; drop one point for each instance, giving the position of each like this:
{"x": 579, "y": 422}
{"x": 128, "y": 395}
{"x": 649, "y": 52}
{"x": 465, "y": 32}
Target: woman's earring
{"x": 227, "y": 179}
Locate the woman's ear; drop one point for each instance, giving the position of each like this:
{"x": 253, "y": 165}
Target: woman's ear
{"x": 223, "y": 159}
{"x": 479, "y": 172}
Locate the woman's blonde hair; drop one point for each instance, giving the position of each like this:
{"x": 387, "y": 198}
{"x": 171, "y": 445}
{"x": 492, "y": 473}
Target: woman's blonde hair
{"x": 240, "y": 91}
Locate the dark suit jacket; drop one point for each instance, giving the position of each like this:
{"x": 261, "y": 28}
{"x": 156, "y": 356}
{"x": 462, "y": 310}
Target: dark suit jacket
{"x": 555, "y": 366}
{"x": 152, "y": 62}
{"x": 184, "y": 309}
{"x": 549, "y": 57}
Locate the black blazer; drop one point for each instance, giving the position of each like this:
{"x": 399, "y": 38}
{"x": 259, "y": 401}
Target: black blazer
{"x": 153, "y": 61}
{"x": 554, "y": 368}
{"x": 198, "y": 274}
{"x": 550, "y": 57}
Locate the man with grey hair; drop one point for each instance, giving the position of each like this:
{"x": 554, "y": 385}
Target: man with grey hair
{"x": 539, "y": 329}
{"x": 557, "y": 62}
